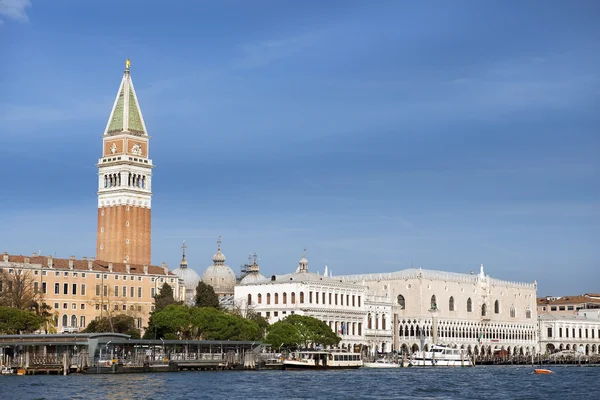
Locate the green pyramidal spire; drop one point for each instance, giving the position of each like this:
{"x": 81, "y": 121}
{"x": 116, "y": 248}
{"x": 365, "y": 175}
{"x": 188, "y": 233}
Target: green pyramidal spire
{"x": 126, "y": 116}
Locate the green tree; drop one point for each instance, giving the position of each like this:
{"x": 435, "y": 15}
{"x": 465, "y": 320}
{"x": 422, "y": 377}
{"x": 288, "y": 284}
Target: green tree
{"x": 302, "y": 331}
{"x": 164, "y": 298}
{"x": 261, "y": 321}
{"x": 206, "y": 296}
{"x": 183, "y": 322}
{"x": 282, "y": 334}
{"x": 14, "y": 321}
{"x": 120, "y": 323}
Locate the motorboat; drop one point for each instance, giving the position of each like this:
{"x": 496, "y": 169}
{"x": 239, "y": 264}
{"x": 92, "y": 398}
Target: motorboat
{"x": 440, "y": 355}
{"x": 381, "y": 363}
{"x": 6, "y": 370}
{"x": 542, "y": 371}
{"x": 322, "y": 359}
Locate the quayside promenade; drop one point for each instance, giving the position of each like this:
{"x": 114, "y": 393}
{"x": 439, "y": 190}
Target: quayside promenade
{"x": 100, "y": 353}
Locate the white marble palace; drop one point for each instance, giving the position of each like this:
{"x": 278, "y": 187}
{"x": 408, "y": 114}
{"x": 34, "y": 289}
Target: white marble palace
{"x": 475, "y": 312}
{"x": 406, "y": 310}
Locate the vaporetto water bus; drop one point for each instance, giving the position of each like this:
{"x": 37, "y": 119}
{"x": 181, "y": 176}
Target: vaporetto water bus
{"x": 442, "y": 356}
{"x": 322, "y": 359}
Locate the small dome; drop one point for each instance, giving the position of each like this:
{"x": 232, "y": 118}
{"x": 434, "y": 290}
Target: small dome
{"x": 302, "y": 264}
{"x": 219, "y": 257}
{"x": 252, "y": 278}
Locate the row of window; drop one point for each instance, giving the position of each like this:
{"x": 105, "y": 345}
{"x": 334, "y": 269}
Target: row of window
{"x": 133, "y": 180}
{"x": 120, "y": 291}
{"x": 313, "y": 298}
{"x": 84, "y": 275}
{"x": 65, "y": 306}
{"x": 589, "y": 333}
{"x": 412, "y": 331}
{"x": 434, "y": 306}
{"x": 74, "y": 322}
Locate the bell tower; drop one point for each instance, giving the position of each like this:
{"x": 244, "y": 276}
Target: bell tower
{"x": 125, "y": 182}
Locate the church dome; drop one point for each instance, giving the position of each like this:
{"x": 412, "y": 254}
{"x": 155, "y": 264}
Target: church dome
{"x": 252, "y": 277}
{"x": 190, "y": 278}
{"x": 219, "y": 275}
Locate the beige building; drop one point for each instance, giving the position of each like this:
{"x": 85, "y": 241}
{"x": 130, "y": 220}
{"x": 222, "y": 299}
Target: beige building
{"x": 79, "y": 291}
{"x": 568, "y": 305}
{"x": 471, "y": 311}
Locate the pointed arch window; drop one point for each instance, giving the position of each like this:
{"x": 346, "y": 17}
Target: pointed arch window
{"x": 276, "y": 298}
{"x": 401, "y": 302}
{"x": 268, "y": 298}
{"x": 284, "y": 299}
{"x": 469, "y": 305}
{"x": 259, "y": 298}
{"x": 293, "y": 297}
{"x": 65, "y": 320}
{"x": 433, "y": 303}
{"x": 527, "y": 313}
{"x": 512, "y": 312}
{"x": 301, "y": 297}
{"x": 497, "y": 307}
{"x": 483, "y": 310}
{"x": 74, "y": 321}
{"x": 451, "y": 303}
{"x": 249, "y": 299}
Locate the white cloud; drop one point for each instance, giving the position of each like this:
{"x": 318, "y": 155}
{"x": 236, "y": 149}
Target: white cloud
{"x": 15, "y": 9}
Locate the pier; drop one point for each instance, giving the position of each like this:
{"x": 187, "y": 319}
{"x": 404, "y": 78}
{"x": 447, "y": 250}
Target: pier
{"x": 111, "y": 353}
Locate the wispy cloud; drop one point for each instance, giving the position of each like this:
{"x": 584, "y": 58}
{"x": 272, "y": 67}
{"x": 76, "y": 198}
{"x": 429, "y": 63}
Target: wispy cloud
{"x": 263, "y": 53}
{"x": 14, "y": 9}
{"x": 502, "y": 250}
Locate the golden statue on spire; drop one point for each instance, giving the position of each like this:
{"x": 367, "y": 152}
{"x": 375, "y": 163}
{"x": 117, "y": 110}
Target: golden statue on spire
{"x": 127, "y": 63}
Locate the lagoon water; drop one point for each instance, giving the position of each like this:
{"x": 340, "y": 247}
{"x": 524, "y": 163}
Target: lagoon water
{"x": 481, "y": 382}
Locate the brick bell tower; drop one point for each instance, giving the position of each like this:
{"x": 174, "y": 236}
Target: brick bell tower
{"x": 124, "y": 182}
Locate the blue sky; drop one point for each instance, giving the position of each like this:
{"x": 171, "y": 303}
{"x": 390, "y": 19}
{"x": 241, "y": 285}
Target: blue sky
{"x": 375, "y": 134}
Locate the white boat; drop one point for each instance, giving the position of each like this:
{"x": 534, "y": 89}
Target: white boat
{"x": 7, "y": 370}
{"x": 381, "y": 363}
{"x": 442, "y": 356}
{"x": 323, "y": 359}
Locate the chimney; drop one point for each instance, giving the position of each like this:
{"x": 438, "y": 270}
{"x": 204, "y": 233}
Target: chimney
{"x": 50, "y": 260}
{"x": 34, "y": 254}
{"x": 71, "y": 261}
{"x": 165, "y": 268}
{"x": 25, "y": 260}
{"x": 110, "y": 267}
{"x": 84, "y": 258}
{"x": 5, "y": 256}
{"x": 128, "y": 268}
{"x": 145, "y": 270}
{"x": 91, "y": 264}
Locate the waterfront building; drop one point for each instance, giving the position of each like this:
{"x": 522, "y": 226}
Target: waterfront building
{"x": 481, "y": 314}
{"x": 121, "y": 278}
{"x": 219, "y": 275}
{"x": 125, "y": 182}
{"x": 79, "y": 291}
{"x": 579, "y": 332}
{"x": 189, "y": 277}
{"x": 568, "y": 305}
{"x": 339, "y": 304}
